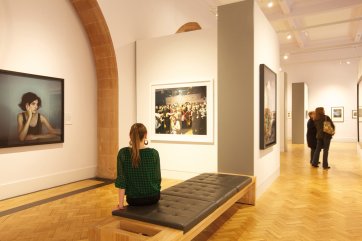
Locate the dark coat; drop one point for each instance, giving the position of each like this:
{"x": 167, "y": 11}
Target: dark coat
{"x": 311, "y": 134}
{"x": 319, "y": 126}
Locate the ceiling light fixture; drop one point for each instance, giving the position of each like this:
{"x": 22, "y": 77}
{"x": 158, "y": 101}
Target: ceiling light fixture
{"x": 286, "y": 56}
{"x": 289, "y": 36}
{"x": 270, "y": 4}
{"x": 348, "y": 62}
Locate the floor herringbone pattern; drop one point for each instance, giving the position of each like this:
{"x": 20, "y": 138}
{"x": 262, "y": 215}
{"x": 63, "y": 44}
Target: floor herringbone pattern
{"x": 303, "y": 204}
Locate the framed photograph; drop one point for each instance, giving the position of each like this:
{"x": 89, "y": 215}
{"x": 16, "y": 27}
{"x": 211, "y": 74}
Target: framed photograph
{"x": 337, "y": 114}
{"x": 354, "y": 114}
{"x": 182, "y": 112}
{"x": 32, "y": 109}
{"x": 268, "y": 107}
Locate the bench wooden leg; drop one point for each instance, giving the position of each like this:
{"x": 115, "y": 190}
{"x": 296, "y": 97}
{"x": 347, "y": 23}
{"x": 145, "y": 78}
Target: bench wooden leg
{"x": 122, "y": 229}
{"x": 249, "y": 197}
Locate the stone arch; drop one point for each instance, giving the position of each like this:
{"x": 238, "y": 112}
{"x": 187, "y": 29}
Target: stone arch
{"x": 105, "y": 61}
{"x": 190, "y": 26}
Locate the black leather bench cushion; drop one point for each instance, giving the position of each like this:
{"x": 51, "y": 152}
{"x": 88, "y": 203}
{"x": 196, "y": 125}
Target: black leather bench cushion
{"x": 184, "y": 205}
{"x": 171, "y": 211}
{"x": 239, "y": 182}
{"x": 202, "y": 191}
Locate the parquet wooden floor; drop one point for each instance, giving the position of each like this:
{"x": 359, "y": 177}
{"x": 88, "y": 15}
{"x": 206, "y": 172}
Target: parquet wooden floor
{"x": 37, "y": 196}
{"x": 303, "y": 204}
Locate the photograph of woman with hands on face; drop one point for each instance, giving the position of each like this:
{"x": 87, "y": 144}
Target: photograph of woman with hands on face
{"x": 31, "y": 122}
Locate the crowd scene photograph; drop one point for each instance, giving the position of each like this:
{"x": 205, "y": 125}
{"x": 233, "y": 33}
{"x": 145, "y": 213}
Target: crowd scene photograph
{"x": 181, "y": 111}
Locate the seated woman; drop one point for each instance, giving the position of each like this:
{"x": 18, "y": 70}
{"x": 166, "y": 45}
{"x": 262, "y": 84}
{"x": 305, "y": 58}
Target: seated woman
{"x": 138, "y": 170}
{"x": 30, "y": 121}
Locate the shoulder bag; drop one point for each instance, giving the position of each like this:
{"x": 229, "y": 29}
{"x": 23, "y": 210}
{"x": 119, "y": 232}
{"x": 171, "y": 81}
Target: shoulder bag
{"x": 327, "y": 127}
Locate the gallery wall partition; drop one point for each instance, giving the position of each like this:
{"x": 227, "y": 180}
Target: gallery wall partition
{"x": 246, "y": 40}
{"x": 176, "y": 99}
{"x": 299, "y": 110}
{"x": 236, "y": 88}
{"x": 107, "y": 76}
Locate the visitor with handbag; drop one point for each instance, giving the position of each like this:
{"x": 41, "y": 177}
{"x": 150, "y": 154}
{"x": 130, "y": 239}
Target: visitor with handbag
{"x": 325, "y": 131}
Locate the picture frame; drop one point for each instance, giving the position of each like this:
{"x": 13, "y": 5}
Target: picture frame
{"x": 337, "y": 114}
{"x": 354, "y": 114}
{"x": 182, "y": 112}
{"x": 359, "y": 114}
{"x": 43, "y": 96}
{"x": 268, "y": 107}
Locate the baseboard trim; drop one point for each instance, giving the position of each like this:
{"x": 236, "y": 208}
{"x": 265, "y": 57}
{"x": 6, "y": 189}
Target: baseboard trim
{"x": 54, "y": 198}
{"x": 25, "y": 186}
{"x": 262, "y": 187}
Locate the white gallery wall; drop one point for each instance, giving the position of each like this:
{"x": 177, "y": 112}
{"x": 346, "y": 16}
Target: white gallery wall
{"x": 266, "y": 51}
{"x": 179, "y": 58}
{"x": 131, "y": 20}
{"x": 330, "y": 84}
{"x": 46, "y": 38}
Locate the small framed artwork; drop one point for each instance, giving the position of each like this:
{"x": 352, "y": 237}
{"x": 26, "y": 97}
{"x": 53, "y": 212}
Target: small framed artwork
{"x": 354, "y": 114}
{"x": 337, "y": 114}
{"x": 359, "y": 113}
{"x": 182, "y": 112}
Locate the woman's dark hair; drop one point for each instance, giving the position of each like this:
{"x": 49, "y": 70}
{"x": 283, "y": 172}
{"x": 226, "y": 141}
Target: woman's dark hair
{"x": 27, "y": 98}
{"x": 319, "y": 113}
{"x": 136, "y": 134}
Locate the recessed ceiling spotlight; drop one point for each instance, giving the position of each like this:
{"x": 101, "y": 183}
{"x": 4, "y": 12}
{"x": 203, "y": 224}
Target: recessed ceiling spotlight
{"x": 289, "y": 36}
{"x": 270, "y": 4}
{"x": 348, "y": 62}
{"x": 286, "y": 56}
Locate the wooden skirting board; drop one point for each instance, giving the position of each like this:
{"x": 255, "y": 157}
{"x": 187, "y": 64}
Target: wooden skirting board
{"x": 124, "y": 229}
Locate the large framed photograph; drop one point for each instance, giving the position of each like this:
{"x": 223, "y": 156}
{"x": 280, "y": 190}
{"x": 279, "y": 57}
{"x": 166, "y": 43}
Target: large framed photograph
{"x": 32, "y": 109}
{"x": 268, "y": 107}
{"x": 182, "y": 112}
{"x": 337, "y": 114}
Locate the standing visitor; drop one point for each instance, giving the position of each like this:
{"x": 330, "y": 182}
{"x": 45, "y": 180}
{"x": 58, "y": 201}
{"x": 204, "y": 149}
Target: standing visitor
{"x": 311, "y": 135}
{"x": 323, "y": 138}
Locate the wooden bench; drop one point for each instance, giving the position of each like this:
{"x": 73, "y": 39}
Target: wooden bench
{"x": 183, "y": 211}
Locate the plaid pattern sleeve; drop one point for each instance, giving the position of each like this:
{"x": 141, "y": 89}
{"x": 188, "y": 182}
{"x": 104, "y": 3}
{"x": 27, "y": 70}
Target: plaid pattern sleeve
{"x": 143, "y": 181}
{"x": 120, "y": 180}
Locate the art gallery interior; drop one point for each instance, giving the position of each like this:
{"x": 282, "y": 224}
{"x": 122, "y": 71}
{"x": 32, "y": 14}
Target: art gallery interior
{"x": 112, "y": 56}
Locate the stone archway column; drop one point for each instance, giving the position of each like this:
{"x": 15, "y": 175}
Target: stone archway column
{"x": 107, "y": 80}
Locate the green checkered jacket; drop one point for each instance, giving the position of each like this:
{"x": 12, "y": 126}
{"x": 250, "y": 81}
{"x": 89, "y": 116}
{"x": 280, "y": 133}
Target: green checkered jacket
{"x": 142, "y": 181}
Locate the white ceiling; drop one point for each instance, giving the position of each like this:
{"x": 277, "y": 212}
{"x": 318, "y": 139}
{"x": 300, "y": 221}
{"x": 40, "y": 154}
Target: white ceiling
{"x": 320, "y": 30}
